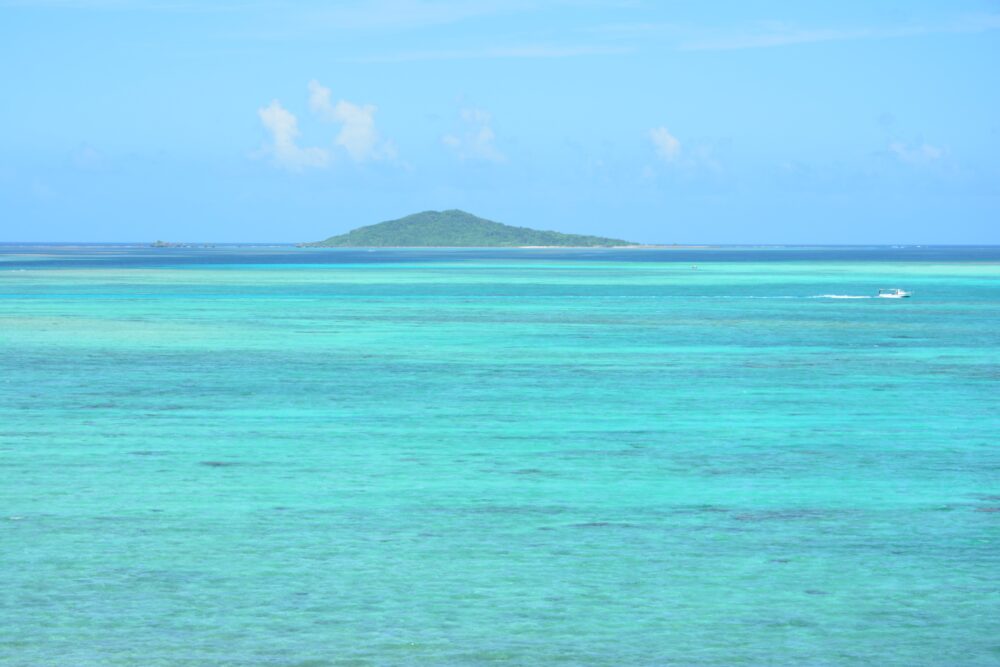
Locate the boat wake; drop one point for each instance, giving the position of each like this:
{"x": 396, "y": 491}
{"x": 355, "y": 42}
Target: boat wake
{"x": 842, "y": 296}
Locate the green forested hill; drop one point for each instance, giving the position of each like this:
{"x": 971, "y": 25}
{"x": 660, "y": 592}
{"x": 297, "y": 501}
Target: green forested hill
{"x": 454, "y": 228}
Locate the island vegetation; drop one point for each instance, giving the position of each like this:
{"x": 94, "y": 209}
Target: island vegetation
{"x": 457, "y": 229}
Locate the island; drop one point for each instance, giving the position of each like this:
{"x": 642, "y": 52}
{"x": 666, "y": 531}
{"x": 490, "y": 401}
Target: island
{"x": 458, "y": 229}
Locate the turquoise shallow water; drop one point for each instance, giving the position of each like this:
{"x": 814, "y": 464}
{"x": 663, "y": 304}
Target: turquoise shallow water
{"x": 285, "y": 458}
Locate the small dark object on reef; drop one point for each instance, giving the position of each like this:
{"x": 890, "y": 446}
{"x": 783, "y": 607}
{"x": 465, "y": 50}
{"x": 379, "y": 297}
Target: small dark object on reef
{"x": 219, "y": 464}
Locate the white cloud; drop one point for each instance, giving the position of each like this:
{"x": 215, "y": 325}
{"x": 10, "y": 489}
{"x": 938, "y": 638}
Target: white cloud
{"x": 358, "y": 135}
{"x": 284, "y": 129}
{"x": 667, "y": 146}
{"x": 319, "y": 99}
{"x": 524, "y": 51}
{"x": 476, "y": 140}
{"x": 774, "y": 34}
{"x": 690, "y": 157}
{"x": 411, "y": 14}
{"x": 922, "y": 154}
{"x": 704, "y": 156}
{"x": 87, "y": 157}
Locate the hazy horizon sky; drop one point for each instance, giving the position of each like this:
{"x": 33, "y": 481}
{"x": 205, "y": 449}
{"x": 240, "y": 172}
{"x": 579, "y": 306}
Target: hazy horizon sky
{"x": 669, "y": 122}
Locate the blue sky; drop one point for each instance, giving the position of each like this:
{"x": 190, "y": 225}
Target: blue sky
{"x": 741, "y": 122}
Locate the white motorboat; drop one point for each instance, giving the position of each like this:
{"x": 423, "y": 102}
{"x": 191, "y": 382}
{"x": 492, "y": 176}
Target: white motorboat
{"x": 894, "y": 293}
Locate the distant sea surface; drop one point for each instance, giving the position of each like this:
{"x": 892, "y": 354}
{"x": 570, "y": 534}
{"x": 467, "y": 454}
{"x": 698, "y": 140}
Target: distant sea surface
{"x": 306, "y": 457}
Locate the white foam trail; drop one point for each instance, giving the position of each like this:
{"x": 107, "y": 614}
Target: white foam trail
{"x": 841, "y": 296}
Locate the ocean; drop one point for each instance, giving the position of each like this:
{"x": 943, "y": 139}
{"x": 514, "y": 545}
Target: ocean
{"x": 305, "y": 457}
